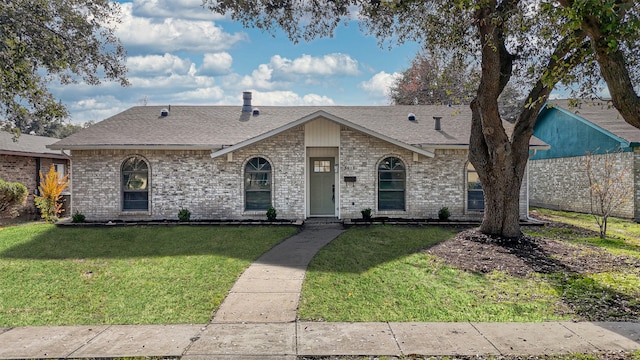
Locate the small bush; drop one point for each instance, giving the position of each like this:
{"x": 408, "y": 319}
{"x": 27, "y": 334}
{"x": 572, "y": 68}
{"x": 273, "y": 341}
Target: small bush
{"x": 271, "y": 213}
{"x": 444, "y": 214}
{"x": 184, "y": 214}
{"x": 11, "y": 193}
{"x": 77, "y": 217}
{"x": 366, "y": 214}
{"x": 48, "y": 200}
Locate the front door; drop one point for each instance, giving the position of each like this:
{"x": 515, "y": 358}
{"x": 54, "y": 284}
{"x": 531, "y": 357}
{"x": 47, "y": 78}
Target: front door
{"x": 322, "y": 184}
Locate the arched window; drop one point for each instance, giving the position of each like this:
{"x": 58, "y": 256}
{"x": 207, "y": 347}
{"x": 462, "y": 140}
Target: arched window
{"x": 391, "y": 184}
{"x": 135, "y": 184}
{"x": 475, "y": 195}
{"x": 257, "y": 184}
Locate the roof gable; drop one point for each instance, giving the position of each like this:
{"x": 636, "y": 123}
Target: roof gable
{"x": 318, "y": 115}
{"x": 603, "y": 117}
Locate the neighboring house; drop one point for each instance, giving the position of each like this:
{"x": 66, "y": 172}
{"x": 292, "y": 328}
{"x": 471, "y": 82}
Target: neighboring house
{"x": 21, "y": 160}
{"x": 233, "y": 162}
{"x": 558, "y": 178}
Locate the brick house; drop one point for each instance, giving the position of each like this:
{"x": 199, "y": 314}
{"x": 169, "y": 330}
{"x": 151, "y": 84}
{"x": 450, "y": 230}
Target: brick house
{"x": 233, "y": 162}
{"x": 21, "y": 161}
{"x": 557, "y": 177}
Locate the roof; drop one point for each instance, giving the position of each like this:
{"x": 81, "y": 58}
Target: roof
{"x": 603, "y": 115}
{"x": 28, "y": 145}
{"x": 218, "y": 127}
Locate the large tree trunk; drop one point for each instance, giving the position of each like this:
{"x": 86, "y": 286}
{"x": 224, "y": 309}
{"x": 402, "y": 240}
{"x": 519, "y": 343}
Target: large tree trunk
{"x": 500, "y": 165}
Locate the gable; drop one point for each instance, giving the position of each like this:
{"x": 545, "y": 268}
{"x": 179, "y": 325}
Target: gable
{"x": 571, "y": 135}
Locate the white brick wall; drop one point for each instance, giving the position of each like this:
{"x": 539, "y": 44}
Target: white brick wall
{"x": 562, "y": 183}
{"x": 213, "y": 188}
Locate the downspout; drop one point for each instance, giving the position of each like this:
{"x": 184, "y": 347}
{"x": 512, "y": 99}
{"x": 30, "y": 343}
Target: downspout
{"x": 68, "y": 157}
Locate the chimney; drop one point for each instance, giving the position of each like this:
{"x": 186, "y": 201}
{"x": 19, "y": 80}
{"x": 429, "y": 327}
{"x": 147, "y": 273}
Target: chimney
{"x": 246, "y": 98}
{"x": 437, "y": 119}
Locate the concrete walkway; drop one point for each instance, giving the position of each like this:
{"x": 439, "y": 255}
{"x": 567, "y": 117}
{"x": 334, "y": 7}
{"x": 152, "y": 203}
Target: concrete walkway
{"x": 258, "y": 321}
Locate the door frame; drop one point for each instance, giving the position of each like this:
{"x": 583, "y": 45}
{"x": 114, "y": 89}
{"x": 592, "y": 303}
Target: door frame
{"x": 322, "y": 152}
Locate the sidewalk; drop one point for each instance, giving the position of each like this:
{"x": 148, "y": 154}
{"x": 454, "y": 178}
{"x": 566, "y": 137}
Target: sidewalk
{"x": 257, "y": 320}
{"x": 287, "y": 340}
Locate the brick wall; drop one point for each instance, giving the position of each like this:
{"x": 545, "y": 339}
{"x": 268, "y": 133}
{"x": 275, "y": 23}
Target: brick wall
{"x": 23, "y": 169}
{"x": 562, "y": 184}
{"x": 214, "y": 189}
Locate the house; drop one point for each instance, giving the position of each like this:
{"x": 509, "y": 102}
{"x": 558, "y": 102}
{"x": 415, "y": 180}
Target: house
{"x": 558, "y": 177}
{"x": 234, "y": 162}
{"x": 21, "y": 160}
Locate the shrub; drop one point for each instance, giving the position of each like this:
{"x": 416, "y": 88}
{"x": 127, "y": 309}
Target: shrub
{"x": 444, "y": 213}
{"x": 11, "y": 193}
{"x": 366, "y": 214}
{"x": 48, "y": 200}
{"x": 77, "y": 217}
{"x": 271, "y": 213}
{"x": 184, "y": 214}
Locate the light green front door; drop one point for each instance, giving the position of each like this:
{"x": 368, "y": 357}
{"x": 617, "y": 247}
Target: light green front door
{"x": 322, "y": 183}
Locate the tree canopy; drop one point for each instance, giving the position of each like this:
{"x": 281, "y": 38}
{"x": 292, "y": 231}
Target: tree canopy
{"x": 41, "y": 41}
{"x": 533, "y": 44}
{"x": 433, "y": 81}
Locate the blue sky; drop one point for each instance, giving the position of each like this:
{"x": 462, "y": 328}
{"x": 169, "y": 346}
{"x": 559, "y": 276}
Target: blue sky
{"x": 180, "y": 53}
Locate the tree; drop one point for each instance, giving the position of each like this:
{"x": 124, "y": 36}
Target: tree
{"x": 534, "y": 44}
{"x": 433, "y": 81}
{"x": 608, "y": 188}
{"x": 11, "y": 194}
{"x": 44, "y": 40}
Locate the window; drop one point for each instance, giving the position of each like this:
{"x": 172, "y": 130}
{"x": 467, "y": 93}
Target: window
{"x": 391, "y": 184}
{"x": 257, "y": 189}
{"x": 321, "y": 166}
{"x": 135, "y": 184}
{"x": 59, "y": 168}
{"x": 475, "y": 195}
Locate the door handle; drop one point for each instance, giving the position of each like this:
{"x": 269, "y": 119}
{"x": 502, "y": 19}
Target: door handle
{"x": 333, "y": 192}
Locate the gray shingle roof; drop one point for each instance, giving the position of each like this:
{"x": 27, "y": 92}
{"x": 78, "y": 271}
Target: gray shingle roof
{"x": 603, "y": 115}
{"x": 209, "y": 127}
{"x": 27, "y": 145}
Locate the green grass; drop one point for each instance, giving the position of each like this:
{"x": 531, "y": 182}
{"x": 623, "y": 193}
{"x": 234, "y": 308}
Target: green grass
{"x": 379, "y": 274}
{"x": 124, "y": 275}
{"x": 623, "y": 236}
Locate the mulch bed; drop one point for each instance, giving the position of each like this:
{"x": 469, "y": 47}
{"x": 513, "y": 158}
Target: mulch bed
{"x": 475, "y": 252}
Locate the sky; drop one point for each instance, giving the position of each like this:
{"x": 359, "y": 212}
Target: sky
{"x": 179, "y": 53}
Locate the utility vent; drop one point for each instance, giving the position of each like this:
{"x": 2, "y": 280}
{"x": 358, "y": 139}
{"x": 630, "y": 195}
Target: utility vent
{"x": 437, "y": 124}
{"x": 246, "y": 98}
{"x": 164, "y": 112}
{"x": 411, "y": 117}
{"x": 256, "y": 112}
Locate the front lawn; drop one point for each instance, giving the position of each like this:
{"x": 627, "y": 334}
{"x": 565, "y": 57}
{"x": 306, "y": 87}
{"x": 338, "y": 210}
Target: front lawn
{"x": 387, "y": 273}
{"x": 125, "y": 275}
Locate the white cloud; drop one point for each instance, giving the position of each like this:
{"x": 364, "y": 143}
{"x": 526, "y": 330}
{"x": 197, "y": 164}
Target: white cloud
{"x": 158, "y": 64}
{"x": 171, "y": 34}
{"x": 379, "y": 84}
{"x": 186, "y": 9}
{"x": 327, "y": 65}
{"x": 216, "y": 63}
{"x": 288, "y": 98}
{"x": 205, "y": 95}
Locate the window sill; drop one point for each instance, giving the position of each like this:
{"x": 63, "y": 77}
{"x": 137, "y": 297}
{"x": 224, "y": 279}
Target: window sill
{"x": 135, "y": 213}
{"x": 391, "y": 212}
{"x": 254, "y": 212}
